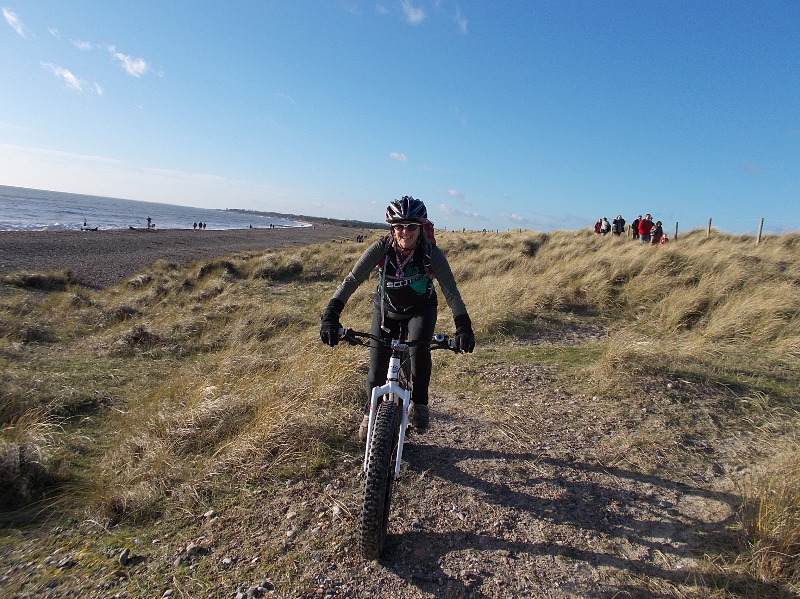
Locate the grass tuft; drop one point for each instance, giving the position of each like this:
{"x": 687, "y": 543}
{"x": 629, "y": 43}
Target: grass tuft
{"x": 26, "y": 465}
{"x": 50, "y": 281}
{"x": 771, "y": 519}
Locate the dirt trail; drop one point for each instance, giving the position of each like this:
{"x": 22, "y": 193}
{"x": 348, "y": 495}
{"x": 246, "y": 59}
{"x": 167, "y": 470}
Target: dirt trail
{"x": 476, "y": 515}
{"x": 473, "y": 516}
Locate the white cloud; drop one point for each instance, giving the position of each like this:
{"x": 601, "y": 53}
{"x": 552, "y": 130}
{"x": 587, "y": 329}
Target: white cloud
{"x": 286, "y": 97}
{"x": 352, "y": 8}
{"x": 135, "y": 67}
{"x": 399, "y": 156}
{"x": 54, "y": 32}
{"x": 65, "y": 75}
{"x": 454, "y": 193}
{"x": 98, "y": 89}
{"x": 461, "y": 21}
{"x": 414, "y": 14}
{"x": 381, "y": 9}
{"x": 13, "y": 20}
{"x": 543, "y": 222}
{"x": 82, "y": 45}
{"x": 451, "y": 211}
{"x": 14, "y": 127}
{"x": 46, "y": 152}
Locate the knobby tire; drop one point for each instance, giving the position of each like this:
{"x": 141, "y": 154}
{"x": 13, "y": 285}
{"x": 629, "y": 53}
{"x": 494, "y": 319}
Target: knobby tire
{"x": 379, "y": 479}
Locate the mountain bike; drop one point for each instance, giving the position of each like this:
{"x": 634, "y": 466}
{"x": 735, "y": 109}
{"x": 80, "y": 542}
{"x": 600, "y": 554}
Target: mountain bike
{"x": 388, "y": 421}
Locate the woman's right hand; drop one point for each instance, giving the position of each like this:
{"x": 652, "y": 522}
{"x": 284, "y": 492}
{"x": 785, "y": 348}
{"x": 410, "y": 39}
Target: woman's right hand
{"x": 329, "y": 323}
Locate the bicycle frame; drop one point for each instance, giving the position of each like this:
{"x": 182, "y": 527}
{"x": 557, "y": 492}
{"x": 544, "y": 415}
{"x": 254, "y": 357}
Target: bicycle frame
{"x": 396, "y": 392}
{"x": 392, "y": 387}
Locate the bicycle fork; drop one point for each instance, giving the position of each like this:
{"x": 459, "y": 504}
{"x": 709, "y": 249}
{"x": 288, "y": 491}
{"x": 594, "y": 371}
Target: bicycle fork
{"x": 395, "y": 392}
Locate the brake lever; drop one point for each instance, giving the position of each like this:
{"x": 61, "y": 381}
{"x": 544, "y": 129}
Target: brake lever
{"x": 344, "y": 335}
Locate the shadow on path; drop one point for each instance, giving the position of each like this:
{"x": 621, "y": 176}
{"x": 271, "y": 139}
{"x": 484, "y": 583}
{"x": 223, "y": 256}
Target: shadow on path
{"x": 582, "y": 504}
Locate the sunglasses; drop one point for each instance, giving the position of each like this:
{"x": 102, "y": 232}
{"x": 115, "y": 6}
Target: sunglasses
{"x": 410, "y": 227}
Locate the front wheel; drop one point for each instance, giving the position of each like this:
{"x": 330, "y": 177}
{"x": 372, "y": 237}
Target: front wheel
{"x": 378, "y": 480}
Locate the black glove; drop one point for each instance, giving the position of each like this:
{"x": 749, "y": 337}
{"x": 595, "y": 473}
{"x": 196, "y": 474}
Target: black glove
{"x": 329, "y": 323}
{"x": 465, "y": 338}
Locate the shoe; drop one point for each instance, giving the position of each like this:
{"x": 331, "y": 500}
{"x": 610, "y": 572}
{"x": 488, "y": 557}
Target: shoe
{"x": 420, "y": 417}
{"x": 362, "y": 430}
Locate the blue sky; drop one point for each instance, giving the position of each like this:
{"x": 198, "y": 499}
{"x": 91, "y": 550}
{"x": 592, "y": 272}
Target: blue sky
{"x": 498, "y": 114}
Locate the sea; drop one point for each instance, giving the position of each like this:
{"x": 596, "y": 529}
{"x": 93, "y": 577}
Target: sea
{"x": 23, "y": 209}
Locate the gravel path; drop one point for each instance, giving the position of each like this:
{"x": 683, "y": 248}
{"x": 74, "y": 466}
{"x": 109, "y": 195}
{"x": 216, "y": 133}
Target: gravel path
{"x": 103, "y": 258}
{"x": 477, "y": 513}
{"x": 476, "y": 516}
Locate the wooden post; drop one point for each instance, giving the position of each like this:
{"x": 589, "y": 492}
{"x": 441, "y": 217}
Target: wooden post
{"x": 760, "y": 229}
{"x": 708, "y": 231}
{"x": 676, "y": 231}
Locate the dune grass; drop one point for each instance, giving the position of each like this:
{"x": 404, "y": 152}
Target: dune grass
{"x": 185, "y": 379}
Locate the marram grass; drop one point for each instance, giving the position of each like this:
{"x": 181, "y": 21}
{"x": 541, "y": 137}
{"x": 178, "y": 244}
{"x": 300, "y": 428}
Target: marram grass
{"x": 187, "y": 379}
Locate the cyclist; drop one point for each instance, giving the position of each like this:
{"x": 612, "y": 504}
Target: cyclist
{"x": 407, "y": 263}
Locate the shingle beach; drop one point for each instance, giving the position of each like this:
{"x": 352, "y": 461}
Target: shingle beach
{"x": 103, "y": 258}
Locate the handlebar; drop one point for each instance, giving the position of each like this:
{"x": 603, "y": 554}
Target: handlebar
{"x": 438, "y": 341}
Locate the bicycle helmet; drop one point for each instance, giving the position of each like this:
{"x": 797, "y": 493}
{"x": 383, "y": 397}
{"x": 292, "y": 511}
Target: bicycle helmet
{"x": 406, "y": 209}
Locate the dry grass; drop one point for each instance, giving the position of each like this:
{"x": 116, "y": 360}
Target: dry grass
{"x": 216, "y": 372}
{"x": 27, "y": 466}
{"x": 49, "y": 281}
{"x": 771, "y": 518}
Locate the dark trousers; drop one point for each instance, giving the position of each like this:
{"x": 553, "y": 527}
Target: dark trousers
{"x": 420, "y": 326}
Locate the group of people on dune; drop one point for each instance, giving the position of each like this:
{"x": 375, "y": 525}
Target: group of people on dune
{"x": 642, "y": 228}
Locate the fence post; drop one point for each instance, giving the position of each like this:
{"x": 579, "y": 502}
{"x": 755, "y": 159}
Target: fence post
{"x": 760, "y": 229}
{"x": 676, "y": 231}
{"x": 708, "y": 231}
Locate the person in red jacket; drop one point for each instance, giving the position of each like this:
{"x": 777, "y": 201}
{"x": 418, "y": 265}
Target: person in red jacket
{"x": 645, "y": 226}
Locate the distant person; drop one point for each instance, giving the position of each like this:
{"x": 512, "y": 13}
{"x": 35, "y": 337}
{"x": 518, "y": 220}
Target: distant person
{"x": 251, "y": 226}
{"x": 645, "y": 226}
{"x": 618, "y": 225}
{"x": 605, "y": 226}
{"x": 204, "y": 226}
{"x": 149, "y": 220}
{"x": 657, "y": 233}
{"x": 194, "y": 226}
{"x": 635, "y": 227}
{"x": 598, "y": 227}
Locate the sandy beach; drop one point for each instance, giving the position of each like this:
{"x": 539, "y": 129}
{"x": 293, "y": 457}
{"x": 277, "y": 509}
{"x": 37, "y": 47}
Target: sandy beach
{"x": 103, "y": 258}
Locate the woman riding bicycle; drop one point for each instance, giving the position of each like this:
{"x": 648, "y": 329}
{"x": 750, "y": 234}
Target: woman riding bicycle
{"x": 407, "y": 263}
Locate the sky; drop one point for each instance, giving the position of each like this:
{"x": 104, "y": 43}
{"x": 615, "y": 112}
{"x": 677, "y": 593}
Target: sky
{"x": 513, "y": 114}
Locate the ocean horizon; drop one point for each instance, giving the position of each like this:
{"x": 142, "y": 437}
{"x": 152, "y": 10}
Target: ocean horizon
{"x": 25, "y": 209}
